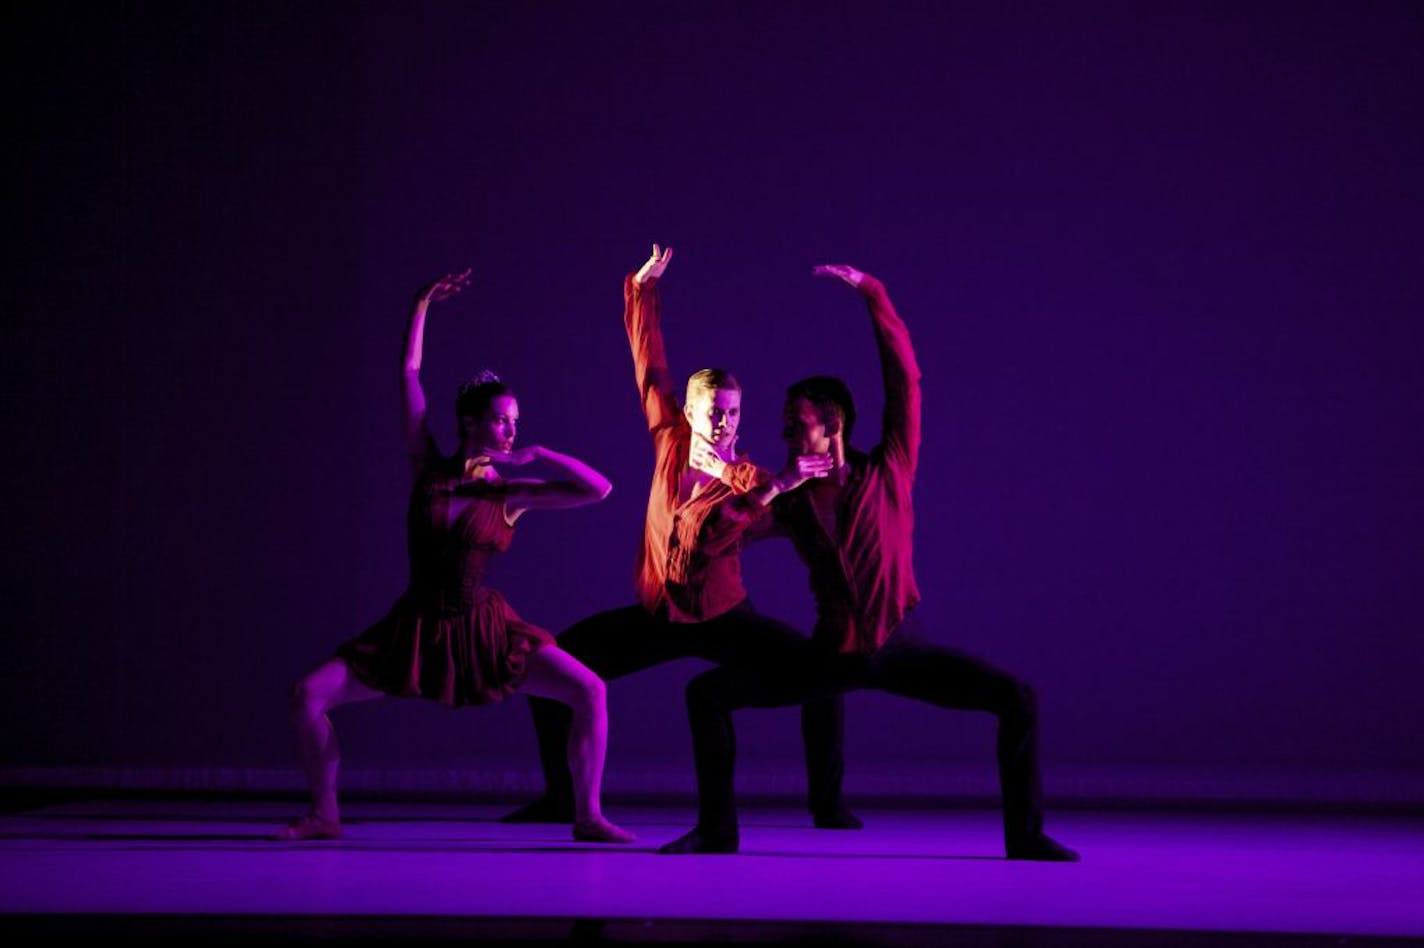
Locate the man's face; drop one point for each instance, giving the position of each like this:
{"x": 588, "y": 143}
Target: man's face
{"x": 715, "y": 416}
{"x": 803, "y": 429}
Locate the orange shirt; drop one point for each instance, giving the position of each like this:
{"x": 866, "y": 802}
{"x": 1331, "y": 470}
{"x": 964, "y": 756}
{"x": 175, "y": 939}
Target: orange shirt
{"x": 688, "y": 562}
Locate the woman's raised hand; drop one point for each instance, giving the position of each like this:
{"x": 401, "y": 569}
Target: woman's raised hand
{"x": 445, "y": 287}
{"x": 840, "y": 271}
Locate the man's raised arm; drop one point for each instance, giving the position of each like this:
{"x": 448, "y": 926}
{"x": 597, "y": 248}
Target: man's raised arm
{"x": 900, "y": 425}
{"x": 642, "y": 317}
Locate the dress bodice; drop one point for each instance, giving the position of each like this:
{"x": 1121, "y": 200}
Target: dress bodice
{"x": 453, "y": 530}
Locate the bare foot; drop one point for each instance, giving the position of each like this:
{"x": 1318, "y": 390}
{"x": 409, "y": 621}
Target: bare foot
{"x": 698, "y": 840}
{"x": 601, "y": 831}
{"x": 310, "y": 826}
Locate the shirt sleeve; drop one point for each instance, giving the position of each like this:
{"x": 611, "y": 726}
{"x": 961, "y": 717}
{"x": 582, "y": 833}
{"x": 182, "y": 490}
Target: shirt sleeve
{"x": 642, "y": 317}
{"x": 759, "y": 523}
{"x": 733, "y": 521}
{"x": 900, "y": 426}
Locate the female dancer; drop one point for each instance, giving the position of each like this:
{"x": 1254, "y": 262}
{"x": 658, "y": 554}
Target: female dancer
{"x": 449, "y": 638}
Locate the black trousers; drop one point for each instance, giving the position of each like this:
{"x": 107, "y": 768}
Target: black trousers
{"x": 906, "y": 665}
{"x": 620, "y": 642}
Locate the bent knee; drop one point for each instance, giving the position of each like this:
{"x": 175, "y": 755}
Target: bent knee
{"x": 305, "y": 700}
{"x": 590, "y": 696}
{"x": 1022, "y": 700}
{"x": 704, "y": 692}
{"x": 595, "y": 691}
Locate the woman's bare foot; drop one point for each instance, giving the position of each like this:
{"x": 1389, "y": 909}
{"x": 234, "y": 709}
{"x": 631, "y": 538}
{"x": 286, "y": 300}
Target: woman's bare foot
{"x": 601, "y": 831}
{"x": 310, "y": 826}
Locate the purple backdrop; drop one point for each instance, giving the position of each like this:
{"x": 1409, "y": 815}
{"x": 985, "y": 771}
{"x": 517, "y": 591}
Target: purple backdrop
{"x": 1162, "y": 268}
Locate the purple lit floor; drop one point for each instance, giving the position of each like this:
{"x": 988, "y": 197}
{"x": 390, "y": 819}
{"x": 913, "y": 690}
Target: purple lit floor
{"x": 1286, "y": 874}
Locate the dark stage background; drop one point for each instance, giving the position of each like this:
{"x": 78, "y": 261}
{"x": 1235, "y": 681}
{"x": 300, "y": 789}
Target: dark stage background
{"x": 1161, "y": 263}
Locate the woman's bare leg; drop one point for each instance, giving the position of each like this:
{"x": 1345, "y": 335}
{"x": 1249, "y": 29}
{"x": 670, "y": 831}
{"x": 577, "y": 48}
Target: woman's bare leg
{"x": 554, "y": 673}
{"x": 329, "y": 686}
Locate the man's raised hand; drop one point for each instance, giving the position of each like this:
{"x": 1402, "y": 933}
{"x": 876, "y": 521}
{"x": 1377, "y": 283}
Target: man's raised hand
{"x": 654, "y": 266}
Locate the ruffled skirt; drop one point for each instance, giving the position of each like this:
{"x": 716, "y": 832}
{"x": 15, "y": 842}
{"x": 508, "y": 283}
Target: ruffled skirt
{"x": 471, "y": 657}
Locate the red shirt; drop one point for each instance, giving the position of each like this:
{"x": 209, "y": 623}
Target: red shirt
{"x": 687, "y": 562}
{"x": 863, "y": 579}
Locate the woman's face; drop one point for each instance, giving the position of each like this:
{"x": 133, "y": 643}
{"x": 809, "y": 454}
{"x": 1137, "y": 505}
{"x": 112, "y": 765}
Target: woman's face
{"x": 495, "y": 430}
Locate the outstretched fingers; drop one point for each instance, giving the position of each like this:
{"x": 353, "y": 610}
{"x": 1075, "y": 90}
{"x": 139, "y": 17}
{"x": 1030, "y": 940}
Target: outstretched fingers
{"x": 802, "y": 468}
{"x": 446, "y": 286}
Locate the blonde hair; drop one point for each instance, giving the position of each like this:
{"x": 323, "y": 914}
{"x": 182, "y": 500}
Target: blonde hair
{"x": 707, "y": 381}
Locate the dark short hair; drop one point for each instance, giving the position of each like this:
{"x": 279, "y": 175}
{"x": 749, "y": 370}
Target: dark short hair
{"x": 830, "y": 395}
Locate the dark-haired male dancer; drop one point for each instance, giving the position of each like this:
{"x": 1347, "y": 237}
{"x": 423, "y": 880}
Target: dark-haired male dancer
{"x": 852, "y": 528}
{"x": 689, "y": 580}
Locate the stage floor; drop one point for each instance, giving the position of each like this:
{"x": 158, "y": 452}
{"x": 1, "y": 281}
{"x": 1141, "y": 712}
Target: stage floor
{"x": 452, "y": 872}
